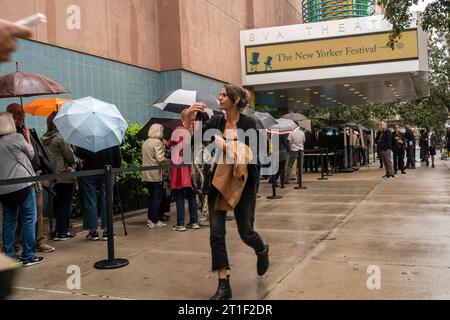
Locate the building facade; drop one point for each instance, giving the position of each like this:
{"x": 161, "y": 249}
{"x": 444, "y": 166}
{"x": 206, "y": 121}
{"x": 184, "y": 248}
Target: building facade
{"x": 327, "y": 10}
{"x": 130, "y": 52}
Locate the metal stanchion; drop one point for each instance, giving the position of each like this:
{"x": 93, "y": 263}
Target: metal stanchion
{"x": 274, "y": 188}
{"x": 300, "y": 172}
{"x": 112, "y": 262}
{"x": 328, "y": 163}
{"x": 322, "y": 177}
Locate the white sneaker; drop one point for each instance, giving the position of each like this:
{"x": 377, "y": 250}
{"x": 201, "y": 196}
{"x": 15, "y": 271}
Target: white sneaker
{"x": 179, "y": 228}
{"x": 152, "y": 225}
{"x": 204, "y": 222}
{"x": 194, "y": 226}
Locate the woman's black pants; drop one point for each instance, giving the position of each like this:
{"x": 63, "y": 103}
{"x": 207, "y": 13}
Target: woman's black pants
{"x": 245, "y": 218}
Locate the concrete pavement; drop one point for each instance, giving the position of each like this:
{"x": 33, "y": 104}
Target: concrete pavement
{"x": 322, "y": 242}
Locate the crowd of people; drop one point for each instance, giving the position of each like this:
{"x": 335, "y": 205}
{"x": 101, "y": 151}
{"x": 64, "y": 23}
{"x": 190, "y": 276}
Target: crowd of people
{"x": 394, "y": 146}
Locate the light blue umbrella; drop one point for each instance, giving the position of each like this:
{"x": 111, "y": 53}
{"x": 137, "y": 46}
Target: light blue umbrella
{"x": 91, "y": 124}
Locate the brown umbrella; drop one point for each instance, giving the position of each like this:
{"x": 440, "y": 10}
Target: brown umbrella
{"x": 21, "y": 84}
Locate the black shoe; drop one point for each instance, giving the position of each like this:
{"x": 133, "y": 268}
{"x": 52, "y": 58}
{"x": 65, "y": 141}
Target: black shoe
{"x": 403, "y": 172}
{"x": 64, "y": 237}
{"x": 105, "y": 236}
{"x": 93, "y": 236}
{"x": 164, "y": 218}
{"x": 33, "y": 261}
{"x": 262, "y": 264}
{"x": 223, "y": 290}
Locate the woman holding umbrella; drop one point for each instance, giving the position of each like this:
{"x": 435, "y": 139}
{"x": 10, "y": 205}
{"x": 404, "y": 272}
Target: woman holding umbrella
{"x": 232, "y": 101}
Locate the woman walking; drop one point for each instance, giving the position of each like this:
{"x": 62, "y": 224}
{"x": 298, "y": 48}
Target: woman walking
{"x": 232, "y": 102}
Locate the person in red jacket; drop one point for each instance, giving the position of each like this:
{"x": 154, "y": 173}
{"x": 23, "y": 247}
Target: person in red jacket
{"x": 180, "y": 180}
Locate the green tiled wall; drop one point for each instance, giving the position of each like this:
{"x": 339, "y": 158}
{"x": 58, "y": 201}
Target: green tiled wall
{"x": 131, "y": 89}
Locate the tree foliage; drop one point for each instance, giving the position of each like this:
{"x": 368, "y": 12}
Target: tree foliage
{"x": 435, "y": 18}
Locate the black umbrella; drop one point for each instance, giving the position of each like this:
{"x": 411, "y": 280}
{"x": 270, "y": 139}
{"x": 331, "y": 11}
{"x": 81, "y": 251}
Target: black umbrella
{"x": 169, "y": 125}
{"x": 263, "y": 120}
{"x": 178, "y": 100}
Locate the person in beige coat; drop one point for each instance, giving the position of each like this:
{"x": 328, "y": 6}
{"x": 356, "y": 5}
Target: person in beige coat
{"x": 153, "y": 156}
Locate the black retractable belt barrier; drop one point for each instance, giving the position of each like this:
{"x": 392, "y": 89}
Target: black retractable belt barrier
{"x": 322, "y": 177}
{"x": 300, "y": 172}
{"x": 111, "y": 262}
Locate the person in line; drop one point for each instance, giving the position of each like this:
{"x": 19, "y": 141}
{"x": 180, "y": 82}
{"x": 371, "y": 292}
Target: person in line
{"x": 90, "y": 185}
{"x": 431, "y": 144}
{"x": 41, "y": 166}
{"x": 232, "y": 100}
{"x": 296, "y": 141}
{"x": 377, "y": 142}
{"x": 283, "y": 155}
{"x": 180, "y": 181}
{"x": 153, "y": 156}
{"x": 385, "y": 141}
{"x": 399, "y": 144}
{"x": 410, "y": 148}
{"x": 62, "y": 158}
{"x": 16, "y": 153}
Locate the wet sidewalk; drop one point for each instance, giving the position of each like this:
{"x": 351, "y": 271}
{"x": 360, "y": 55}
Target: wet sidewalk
{"x": 322, "y": 242}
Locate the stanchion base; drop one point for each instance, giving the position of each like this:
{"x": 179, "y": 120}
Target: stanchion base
{"x": 347, "y": 170}
{"x": 300, "y": 188}
{"x": 275, "y": 197}
{"x": 113, "y": 264}
{"x": 322, "y": 179}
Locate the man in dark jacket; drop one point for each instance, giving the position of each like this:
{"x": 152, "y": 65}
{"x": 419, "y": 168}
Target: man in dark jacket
{"x": 410, "y": 148}
{"x": 385, "y": 143}
{"x": 95, "y": 161}
{"x": 399, "y": 144}
{"x": 41, "y": 165}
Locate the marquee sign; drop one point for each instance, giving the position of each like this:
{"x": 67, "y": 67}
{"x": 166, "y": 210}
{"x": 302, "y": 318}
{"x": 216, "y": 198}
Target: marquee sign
{"x": 329, "y": 52}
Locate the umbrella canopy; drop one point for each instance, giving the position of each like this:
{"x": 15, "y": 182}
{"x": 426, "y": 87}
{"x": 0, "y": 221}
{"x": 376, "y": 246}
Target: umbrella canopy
{"x": 297, "y": 117}
{"x": 91, "y": 124}
{"x": 169, "y": 126}
{"x": 45, "y": 107}
{"x": 178, "y": 100}
{"x": 357, "y": 127}
{"x": 284, "y": 126}
{"x": 263, "y": 120}
{"x": 20, "y": 84}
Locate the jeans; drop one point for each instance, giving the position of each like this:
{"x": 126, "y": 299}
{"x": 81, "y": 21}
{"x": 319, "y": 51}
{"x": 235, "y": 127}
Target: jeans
{"x": 90, "y": 204}
{"x": 245, "y": 219}
{"x": 387, "y": 157}
{"x": 29, "y": 216}
{"x": 154, "y": 200}
{"x": 192, "y": 202}
{"x": 62, "y": 206}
